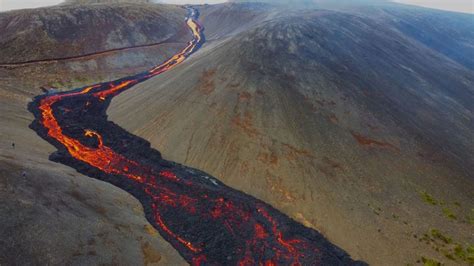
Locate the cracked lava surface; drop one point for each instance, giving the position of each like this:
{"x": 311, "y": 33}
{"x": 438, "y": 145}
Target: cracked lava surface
{"x": 207, "y": 222}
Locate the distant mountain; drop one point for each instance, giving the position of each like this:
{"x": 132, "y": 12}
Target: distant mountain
{"x": 71, "y": 30}
{"x": 106, "y": 1}
{"x": 448, "y": 33}
{"x": 313, "y": 2}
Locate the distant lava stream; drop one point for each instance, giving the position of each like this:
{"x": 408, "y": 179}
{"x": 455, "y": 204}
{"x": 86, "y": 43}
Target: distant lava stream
{"x": 208, "y": 222}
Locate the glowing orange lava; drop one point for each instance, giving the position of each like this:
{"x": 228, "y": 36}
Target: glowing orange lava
{"x": 103, "y": 157}
{"x": 206, "y": 221}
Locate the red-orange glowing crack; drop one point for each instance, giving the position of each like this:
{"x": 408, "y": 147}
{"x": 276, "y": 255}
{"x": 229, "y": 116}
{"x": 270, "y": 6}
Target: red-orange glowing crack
{"x": 115, "y": 89}
{"x": 163, "y": 226}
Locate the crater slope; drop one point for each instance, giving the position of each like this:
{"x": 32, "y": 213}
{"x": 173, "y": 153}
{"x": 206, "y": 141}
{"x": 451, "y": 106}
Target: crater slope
{"x": 339, "y": 119}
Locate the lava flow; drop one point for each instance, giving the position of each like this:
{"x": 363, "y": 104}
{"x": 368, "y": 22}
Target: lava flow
{"x": 208, "y": 222}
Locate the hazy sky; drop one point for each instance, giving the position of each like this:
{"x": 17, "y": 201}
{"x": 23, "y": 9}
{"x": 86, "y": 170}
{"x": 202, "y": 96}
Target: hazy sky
{"x": 455, "y": 5}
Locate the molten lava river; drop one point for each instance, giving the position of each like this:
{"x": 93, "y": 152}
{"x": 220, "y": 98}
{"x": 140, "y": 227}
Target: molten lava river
{"x": 206, "y": 221}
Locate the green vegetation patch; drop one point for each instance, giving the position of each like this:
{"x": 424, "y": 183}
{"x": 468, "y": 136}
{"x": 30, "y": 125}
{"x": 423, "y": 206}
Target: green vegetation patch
{"x": 449, "y": 213}
{"x": 452, "y": 211}
{"x": 437, "y": 235}
{"x": 445, "y": 245}
{"x": 465, "y": 254}
{"x": 428, "y": 198}
{"x": 470, "y": 217}
{"x": 430, "y": 262}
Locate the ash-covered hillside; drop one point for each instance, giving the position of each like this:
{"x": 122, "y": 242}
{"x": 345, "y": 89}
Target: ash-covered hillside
{"x": 345, "y": 119}
{"x": 72, "y": 30}
{"x": 354, "y": 118}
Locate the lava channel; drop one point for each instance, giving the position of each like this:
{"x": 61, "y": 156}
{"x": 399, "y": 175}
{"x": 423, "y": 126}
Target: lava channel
{"x": 207, "y": 222}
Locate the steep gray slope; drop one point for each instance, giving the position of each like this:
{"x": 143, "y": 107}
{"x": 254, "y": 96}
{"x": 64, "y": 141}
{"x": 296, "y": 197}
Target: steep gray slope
{"x": 224, "y": 20}
{"x": 424, "y": 92}
{"x": 340, "y": 120}
{"x": 448, "y": 33}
